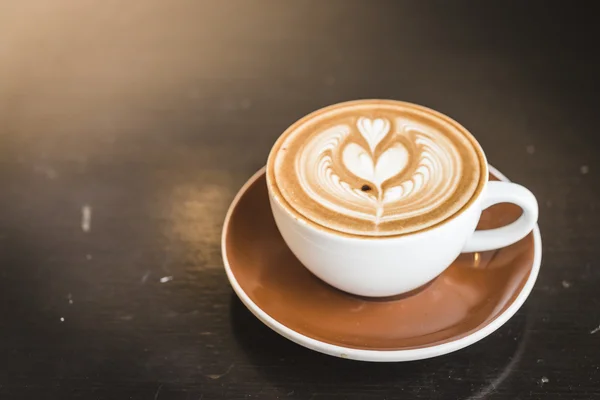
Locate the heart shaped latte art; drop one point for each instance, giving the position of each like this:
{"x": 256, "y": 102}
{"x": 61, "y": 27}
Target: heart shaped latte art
{"x": 361, "y": 163}
{"x": 411, "y": 169}
{"x": 373, "y": 130}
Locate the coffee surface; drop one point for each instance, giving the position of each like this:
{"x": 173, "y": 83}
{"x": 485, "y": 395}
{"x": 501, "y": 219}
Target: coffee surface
{"x": 376, "y": 167}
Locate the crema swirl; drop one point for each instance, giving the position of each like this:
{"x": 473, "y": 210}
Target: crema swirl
{"x": 376, "y": 168}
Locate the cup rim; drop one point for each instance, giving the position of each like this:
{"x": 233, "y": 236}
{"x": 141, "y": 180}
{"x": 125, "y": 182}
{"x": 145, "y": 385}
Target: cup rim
{"x": 275, "y": 195}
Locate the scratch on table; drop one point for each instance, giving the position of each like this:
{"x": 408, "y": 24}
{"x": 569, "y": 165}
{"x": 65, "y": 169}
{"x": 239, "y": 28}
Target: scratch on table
{"x": 158, "y": 391}
{"x": 166, "y": 279}
{"x": 530, "y": 149}
{"x": 217, "y": 376}
{"x": 50, "y": 172}
{"x": 145, "y": 277}
{"x": 86, "y": 218}
{"x": 595, "y": 330}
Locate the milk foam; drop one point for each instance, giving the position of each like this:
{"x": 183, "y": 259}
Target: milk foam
{"x": 375, "y": 175}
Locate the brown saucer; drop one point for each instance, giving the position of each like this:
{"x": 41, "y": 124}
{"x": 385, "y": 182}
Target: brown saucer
{"x": 472, "y": 293}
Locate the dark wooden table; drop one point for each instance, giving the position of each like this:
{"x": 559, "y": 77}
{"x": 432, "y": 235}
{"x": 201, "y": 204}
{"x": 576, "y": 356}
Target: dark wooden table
{"x": 148, "y": 116}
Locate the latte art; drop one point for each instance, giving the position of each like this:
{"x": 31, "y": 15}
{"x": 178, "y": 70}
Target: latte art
{"x": 376, "y": 171}
{"x": 401, "y": 183}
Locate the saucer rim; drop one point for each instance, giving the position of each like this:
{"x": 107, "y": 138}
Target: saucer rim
{"x": 379, "y": 355}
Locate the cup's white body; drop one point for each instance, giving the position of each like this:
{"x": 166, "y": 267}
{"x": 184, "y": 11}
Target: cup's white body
{"x": 386, "y": 266}
{"x": 378, "y": 266}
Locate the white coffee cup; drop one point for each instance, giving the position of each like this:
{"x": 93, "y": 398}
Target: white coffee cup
{"x": 386, "y": 266}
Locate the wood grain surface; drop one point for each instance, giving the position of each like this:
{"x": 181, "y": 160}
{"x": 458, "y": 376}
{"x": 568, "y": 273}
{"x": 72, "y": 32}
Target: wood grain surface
{"x": 126, "y": 128}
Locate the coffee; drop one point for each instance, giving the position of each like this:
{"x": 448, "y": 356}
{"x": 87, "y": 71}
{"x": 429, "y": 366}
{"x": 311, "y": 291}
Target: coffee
{"x": 375, "y": 168}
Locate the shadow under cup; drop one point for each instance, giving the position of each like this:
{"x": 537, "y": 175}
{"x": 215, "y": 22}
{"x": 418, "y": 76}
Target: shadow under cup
{"x": 469, "y": 294}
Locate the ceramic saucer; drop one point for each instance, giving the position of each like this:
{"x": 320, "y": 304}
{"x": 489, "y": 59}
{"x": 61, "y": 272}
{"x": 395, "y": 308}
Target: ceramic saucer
{"x": 476, "y": 295}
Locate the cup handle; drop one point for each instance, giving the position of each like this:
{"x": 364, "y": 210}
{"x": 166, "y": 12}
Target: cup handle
{"x": 505, "y": 192}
